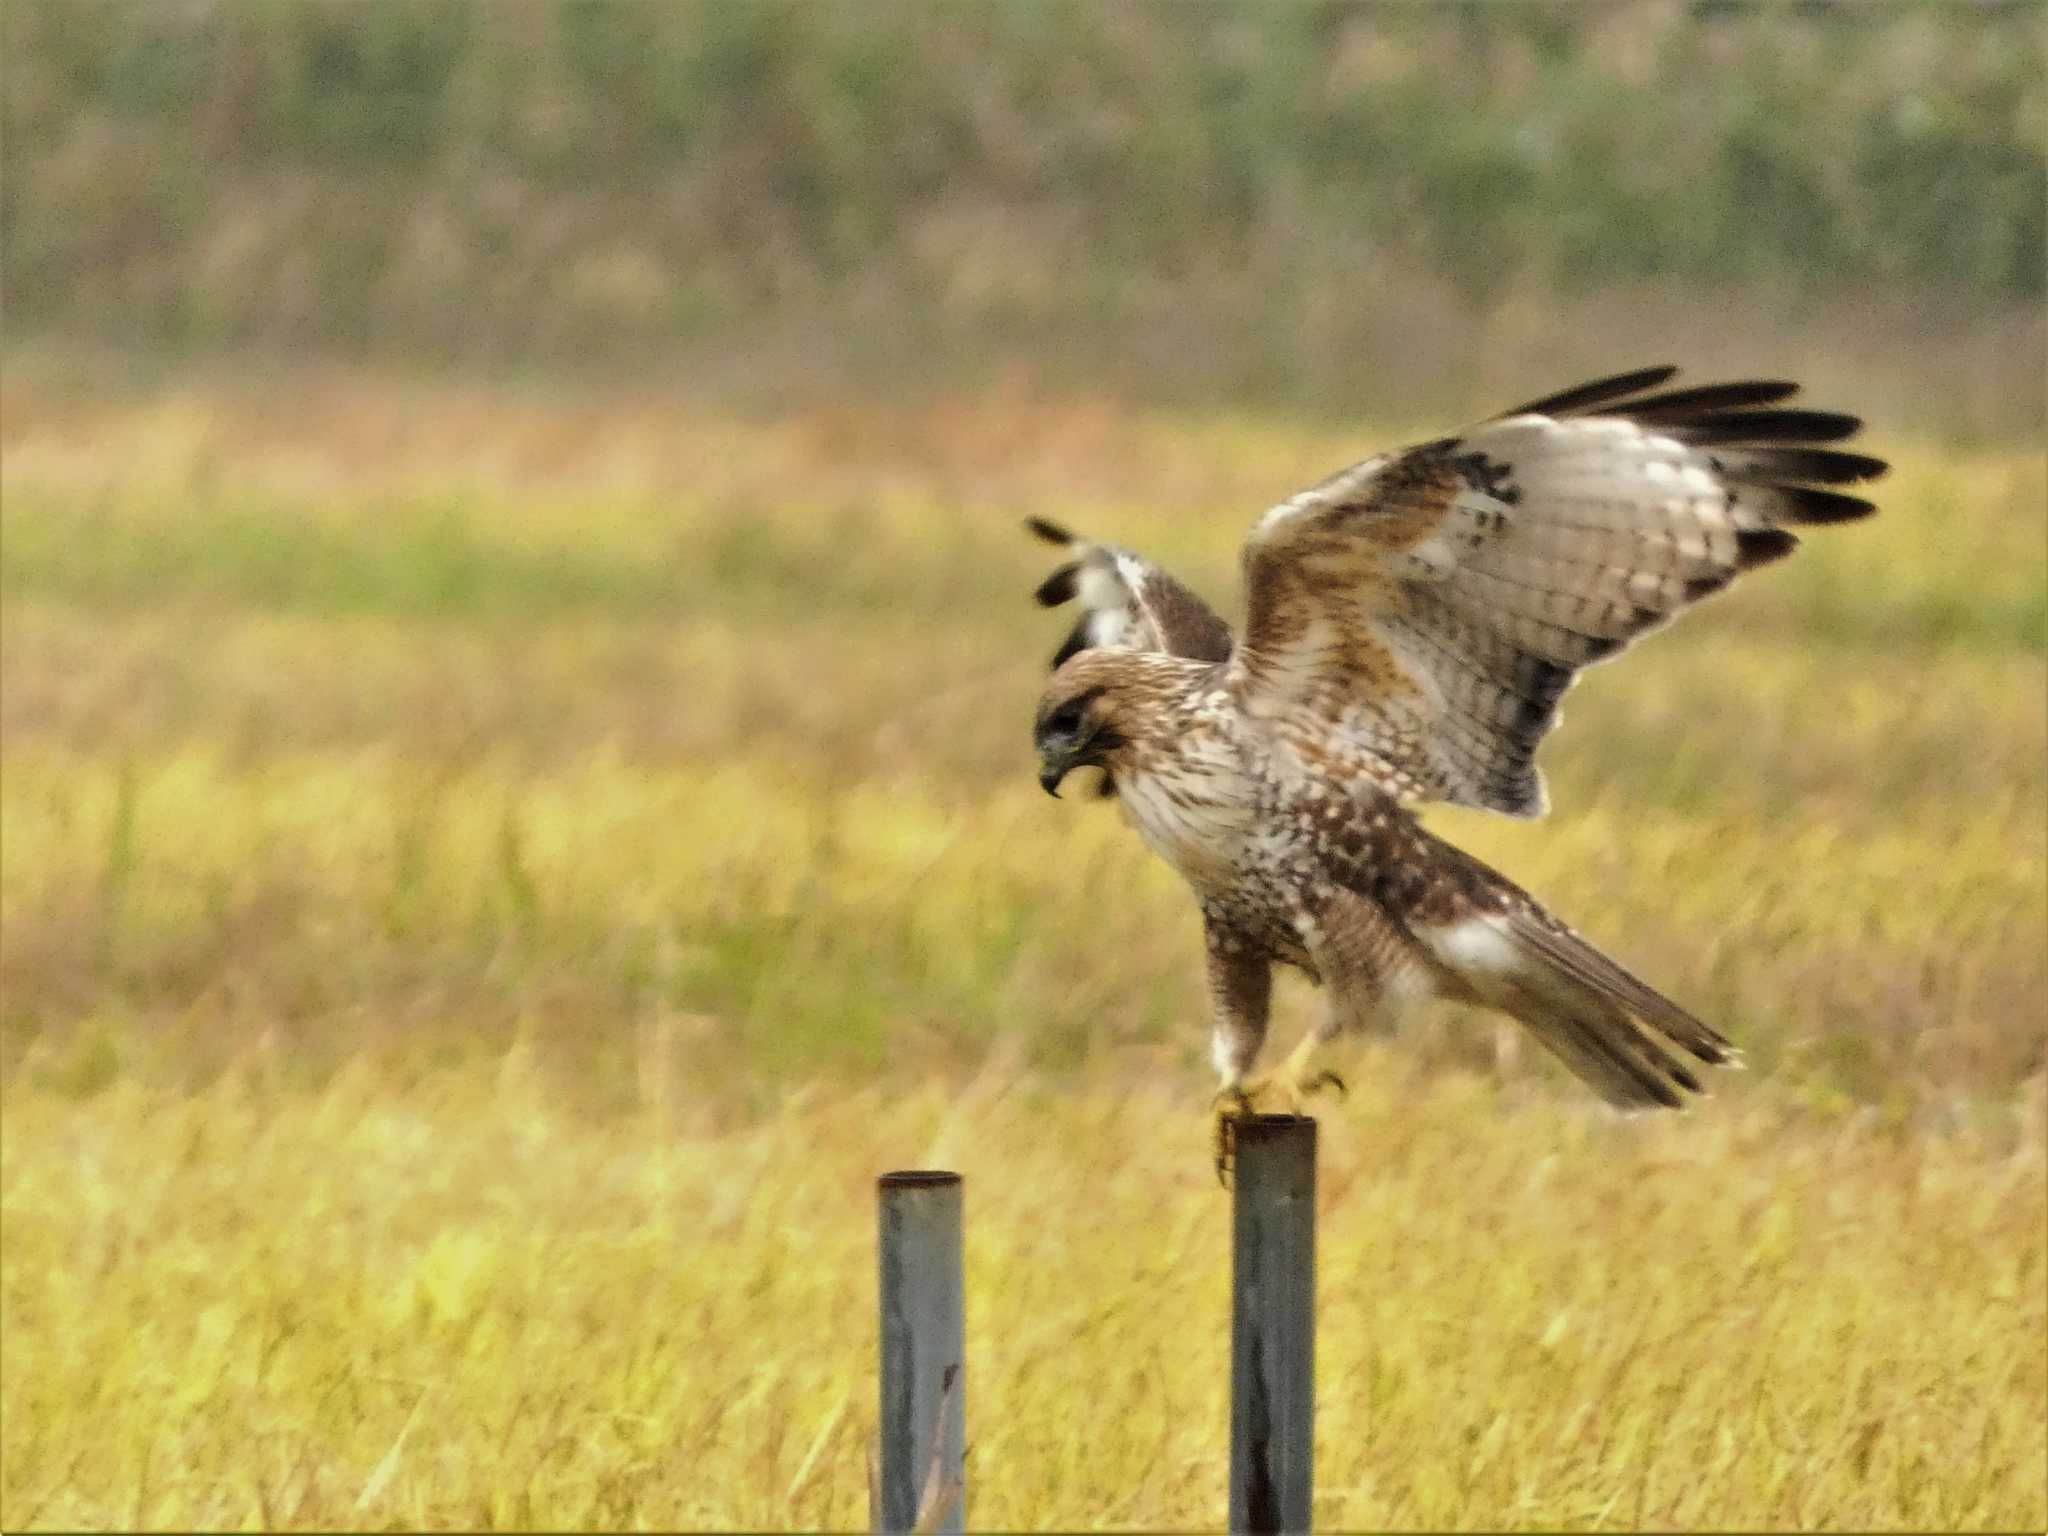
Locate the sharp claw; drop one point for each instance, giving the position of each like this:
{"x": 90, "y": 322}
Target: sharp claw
{"x": 1232, "y": 1105}
{"x": 1326, "y": 1079}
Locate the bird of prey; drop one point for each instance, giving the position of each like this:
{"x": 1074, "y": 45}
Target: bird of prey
{"x": 1411, "y": 624}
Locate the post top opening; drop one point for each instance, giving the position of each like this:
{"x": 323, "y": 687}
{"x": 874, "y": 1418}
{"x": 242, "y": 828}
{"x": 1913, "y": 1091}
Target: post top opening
{"x": 918, "y": 1178}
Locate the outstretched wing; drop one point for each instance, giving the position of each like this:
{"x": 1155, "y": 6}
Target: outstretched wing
{"x": 1126, "y": 602}
{"x": 1429, "y": 608}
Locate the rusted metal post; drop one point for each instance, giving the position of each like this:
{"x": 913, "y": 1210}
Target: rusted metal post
{"x": 1272, "y": 1324}
{"x": 924, "y": 1355}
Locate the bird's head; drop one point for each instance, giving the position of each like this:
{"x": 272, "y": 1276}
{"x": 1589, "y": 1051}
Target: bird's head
{"x": 1096, "y": 712}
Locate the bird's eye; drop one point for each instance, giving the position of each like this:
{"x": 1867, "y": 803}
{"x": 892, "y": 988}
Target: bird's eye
{"x": 1066, "y": 719}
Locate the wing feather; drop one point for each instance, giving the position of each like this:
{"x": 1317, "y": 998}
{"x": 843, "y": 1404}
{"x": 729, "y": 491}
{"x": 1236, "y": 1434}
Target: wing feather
{"x": 1126, "y": 602}
{"x": 1600, "y": 392}
{"x": 1431, "y": 607}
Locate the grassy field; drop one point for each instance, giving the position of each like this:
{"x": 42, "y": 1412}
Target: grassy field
{"x": 489, "y": 878}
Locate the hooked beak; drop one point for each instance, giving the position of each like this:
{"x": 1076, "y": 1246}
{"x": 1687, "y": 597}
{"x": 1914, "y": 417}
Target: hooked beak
{"x": 1054, "y": 764}
{"x": 1059, "y": 757}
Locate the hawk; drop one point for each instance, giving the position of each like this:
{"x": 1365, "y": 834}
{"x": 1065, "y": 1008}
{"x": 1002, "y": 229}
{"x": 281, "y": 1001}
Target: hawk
{"x": 1411, "y": 624}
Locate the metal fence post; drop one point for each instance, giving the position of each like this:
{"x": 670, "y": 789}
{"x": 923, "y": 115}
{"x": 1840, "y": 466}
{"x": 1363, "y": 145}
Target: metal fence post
{"x": 1272, "y": 1324}
{"x": 924, "y": 1420}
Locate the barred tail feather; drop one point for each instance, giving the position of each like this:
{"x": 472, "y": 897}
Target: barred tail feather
{"x": 1601, "y": 1045}
{"x": 1603, "y": 1023}
{"x": 1571, "y": 956}
{"x": 1593, "y": 1014}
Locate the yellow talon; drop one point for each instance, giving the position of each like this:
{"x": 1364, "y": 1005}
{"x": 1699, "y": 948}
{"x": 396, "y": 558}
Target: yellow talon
{"x": 1231, "y": 1105}
{"x": 1287, "y": 1090}
{"x": 1293, "y": 1084}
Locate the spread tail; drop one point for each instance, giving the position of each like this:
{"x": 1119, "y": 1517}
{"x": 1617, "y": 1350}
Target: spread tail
{"x": 1607, "y": 1026}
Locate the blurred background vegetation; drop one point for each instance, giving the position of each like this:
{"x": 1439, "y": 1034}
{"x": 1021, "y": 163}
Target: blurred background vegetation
{"x": 1343, "y": 207}
{"x": 515, "y": 798}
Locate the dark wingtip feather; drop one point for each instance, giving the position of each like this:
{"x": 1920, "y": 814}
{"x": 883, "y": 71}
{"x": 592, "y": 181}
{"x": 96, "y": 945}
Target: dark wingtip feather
{"x": 1598, "y": 392}
{"x": 1821, "y": 466}
{"x": 1804, "y": 504}
{"x": 1060, "y": 587}
{"x": 1760, "y": 546}
{"x": 1706, "y": 586}
{"x": 1857, "y": 466}
{"x": 1788, "y": 426}
{"x": 1705, "y": 399}
{"x": 1049, "y": 530}
{"x": 1074, "y": 644}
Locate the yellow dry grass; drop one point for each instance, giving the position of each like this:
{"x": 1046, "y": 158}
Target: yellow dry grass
{"x": 446, "y": 1303}
{"x": 488, "y": 881}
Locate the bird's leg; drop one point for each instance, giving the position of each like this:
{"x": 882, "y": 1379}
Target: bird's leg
{"x": 1287, "y": 1089}
{"x": 1291, "y": 1085}
{"x": 1231, "y": 1105}
{"x": 1240, "y": 990}
{"x": 1354, "y": 949}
